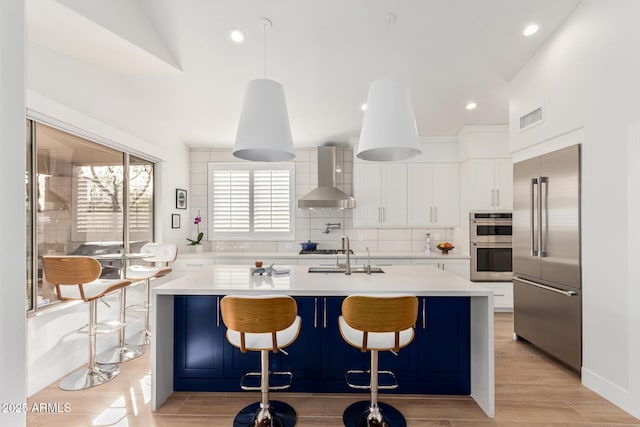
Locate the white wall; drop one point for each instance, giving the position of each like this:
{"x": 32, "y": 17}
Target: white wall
{"x": 586, "y": 77}
{"x": 12, "y": 215}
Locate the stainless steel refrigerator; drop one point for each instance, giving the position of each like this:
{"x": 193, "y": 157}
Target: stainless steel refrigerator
{"x": 547, "y": 287}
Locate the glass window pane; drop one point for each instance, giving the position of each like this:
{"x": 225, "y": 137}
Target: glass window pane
{"x": 29, "y": 228}
{"x": 140, "y": 201}
{"x": 78, "y": 199}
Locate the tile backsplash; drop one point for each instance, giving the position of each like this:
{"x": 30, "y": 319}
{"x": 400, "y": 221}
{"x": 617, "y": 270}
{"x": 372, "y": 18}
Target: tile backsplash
{"x": 310, "y": 224}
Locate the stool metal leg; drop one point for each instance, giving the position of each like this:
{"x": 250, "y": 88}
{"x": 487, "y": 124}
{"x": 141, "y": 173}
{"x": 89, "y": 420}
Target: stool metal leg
{"x": 147, "y": 312}
{"x": 93, "y": 375}
{"x": 372, "y": 413}
{"x": 144, "y": 337}
{"x": 123, "y": 352}
{"x": 266, "y": 413}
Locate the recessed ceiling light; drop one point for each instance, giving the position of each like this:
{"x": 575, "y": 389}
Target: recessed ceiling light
{"x": 530, "y": 30}
{"x": 363, "y": 107}
{"x": 237, "y": 36}
{"x": 471, "y": 105}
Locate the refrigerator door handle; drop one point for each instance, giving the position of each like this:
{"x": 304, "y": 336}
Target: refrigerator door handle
{"x": 542, "y": 208}
{"x": 532, "y": 241}
{"x": 548, "y": 288}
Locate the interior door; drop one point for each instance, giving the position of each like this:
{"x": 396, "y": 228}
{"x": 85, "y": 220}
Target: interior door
{"x": 525, "y": 218}
{"x": 561, "y": 216}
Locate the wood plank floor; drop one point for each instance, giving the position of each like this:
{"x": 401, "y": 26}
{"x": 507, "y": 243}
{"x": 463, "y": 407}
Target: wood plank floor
{"x": 532, "y": 390}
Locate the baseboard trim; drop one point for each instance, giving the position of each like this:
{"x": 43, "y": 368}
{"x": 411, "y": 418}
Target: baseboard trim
{"x": 610, "y": 391}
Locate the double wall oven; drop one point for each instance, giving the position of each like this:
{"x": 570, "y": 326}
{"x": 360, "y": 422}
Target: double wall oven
{"x": 491, "y": 246}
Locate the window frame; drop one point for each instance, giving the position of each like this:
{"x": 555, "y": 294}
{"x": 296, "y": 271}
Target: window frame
{"x": 34, "y": 253}
{"x": 251, "y": 235}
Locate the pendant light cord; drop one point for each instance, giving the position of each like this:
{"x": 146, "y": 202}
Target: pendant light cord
{"x": 265, "y": 50}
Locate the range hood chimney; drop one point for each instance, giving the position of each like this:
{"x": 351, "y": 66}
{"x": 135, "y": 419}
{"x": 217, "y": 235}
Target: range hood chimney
{"x": 327, "y": 195}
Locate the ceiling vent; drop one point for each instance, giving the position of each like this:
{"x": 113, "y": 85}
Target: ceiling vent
{"x": 531, "y": 119}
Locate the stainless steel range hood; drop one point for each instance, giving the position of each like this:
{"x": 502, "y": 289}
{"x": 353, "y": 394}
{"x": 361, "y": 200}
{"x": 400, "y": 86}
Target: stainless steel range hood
{"x": 327, "y": 195}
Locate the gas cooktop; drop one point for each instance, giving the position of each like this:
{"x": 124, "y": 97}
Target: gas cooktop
{"x": 324, "y": 252}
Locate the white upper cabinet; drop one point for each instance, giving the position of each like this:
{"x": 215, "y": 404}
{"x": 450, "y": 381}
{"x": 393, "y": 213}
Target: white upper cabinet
{"x": 381, "y": 194}
{"x": 491, "y": 184}
{"x": 433, "y": 194}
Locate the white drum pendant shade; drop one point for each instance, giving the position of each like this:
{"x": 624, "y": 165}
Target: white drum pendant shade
{"x": 264, "y": 132}
{"x": 389, "y": 129}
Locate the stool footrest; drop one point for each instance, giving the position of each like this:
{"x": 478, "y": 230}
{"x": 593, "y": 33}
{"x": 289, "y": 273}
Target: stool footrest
{"x": 139, "y": 307}
{"x": 351, "y": 374}
{"x": 287, "y": 375}
{"x": 103, "y": 327}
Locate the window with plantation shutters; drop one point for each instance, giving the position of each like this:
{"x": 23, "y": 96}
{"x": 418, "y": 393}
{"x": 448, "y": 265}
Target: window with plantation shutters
{"x": 251, "y": 201}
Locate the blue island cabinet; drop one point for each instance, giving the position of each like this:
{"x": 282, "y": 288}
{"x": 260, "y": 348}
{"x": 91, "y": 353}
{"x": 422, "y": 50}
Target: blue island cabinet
{"x": 436, "y": 362}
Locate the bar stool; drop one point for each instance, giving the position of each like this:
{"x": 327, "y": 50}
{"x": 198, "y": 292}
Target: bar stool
{"x": 77, "y": 278}
{"x": 376, "y": 323}
{"x": 264, "y": 324}
{"x": 163, "y": 254}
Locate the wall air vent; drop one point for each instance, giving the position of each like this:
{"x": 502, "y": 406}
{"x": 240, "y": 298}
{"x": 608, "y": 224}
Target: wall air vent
{"x": 530, "y": 119}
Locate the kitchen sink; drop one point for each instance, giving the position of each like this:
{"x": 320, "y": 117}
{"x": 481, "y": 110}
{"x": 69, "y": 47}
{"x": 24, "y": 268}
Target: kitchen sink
{"x": 336, "y": 269}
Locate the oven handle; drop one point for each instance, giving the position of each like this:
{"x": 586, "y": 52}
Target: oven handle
{"x": 547, "y": 288}
{"x": 493, "y": 245}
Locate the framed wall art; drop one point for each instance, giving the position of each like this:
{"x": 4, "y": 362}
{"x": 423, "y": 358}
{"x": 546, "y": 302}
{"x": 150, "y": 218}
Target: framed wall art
{"x": 175, "y": 220}
{"x": 181, "y": 198}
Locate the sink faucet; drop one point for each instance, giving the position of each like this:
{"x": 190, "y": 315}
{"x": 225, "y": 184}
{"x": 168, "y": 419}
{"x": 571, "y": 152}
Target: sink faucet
{"x": 368, "y": 261}
{"x": 347, "y": 250}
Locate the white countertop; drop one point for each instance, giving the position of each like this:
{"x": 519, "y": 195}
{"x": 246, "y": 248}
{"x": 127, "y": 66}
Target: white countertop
{"x": 415, "y": 279}
{"x": 435, "y": 254}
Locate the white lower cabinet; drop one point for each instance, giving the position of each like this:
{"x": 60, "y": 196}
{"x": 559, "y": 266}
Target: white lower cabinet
{"x": 502, "y": 295}
{"x": 460, "y": 267}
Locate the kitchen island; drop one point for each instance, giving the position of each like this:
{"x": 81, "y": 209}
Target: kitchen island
{"x": 206, "y": 287}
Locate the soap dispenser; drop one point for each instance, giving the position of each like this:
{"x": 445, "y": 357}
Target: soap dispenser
{"x": 427, "y": 245}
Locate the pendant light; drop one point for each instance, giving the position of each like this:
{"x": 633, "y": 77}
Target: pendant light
{"x": 264, "y": 132}
{"x": 389, "y": 130}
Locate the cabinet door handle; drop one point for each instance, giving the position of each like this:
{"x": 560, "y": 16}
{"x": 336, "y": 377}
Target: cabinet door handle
{"x": 217, "y": 312}
{"x": 384, "y": 219}
{"x": 324, "y": 314}
{"x": 424, "y": 313}
{"x": 315, "y": 312}
{"x": 436, "y": 209}
{"x": 430, "y": 213}
{"x": 497, "y": 197}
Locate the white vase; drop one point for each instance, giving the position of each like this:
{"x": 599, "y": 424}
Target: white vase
{"x": 198, "y": 248}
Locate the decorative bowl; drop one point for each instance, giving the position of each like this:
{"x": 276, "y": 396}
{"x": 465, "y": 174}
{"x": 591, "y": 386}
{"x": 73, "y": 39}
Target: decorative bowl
{"x": 445, "y": 250}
